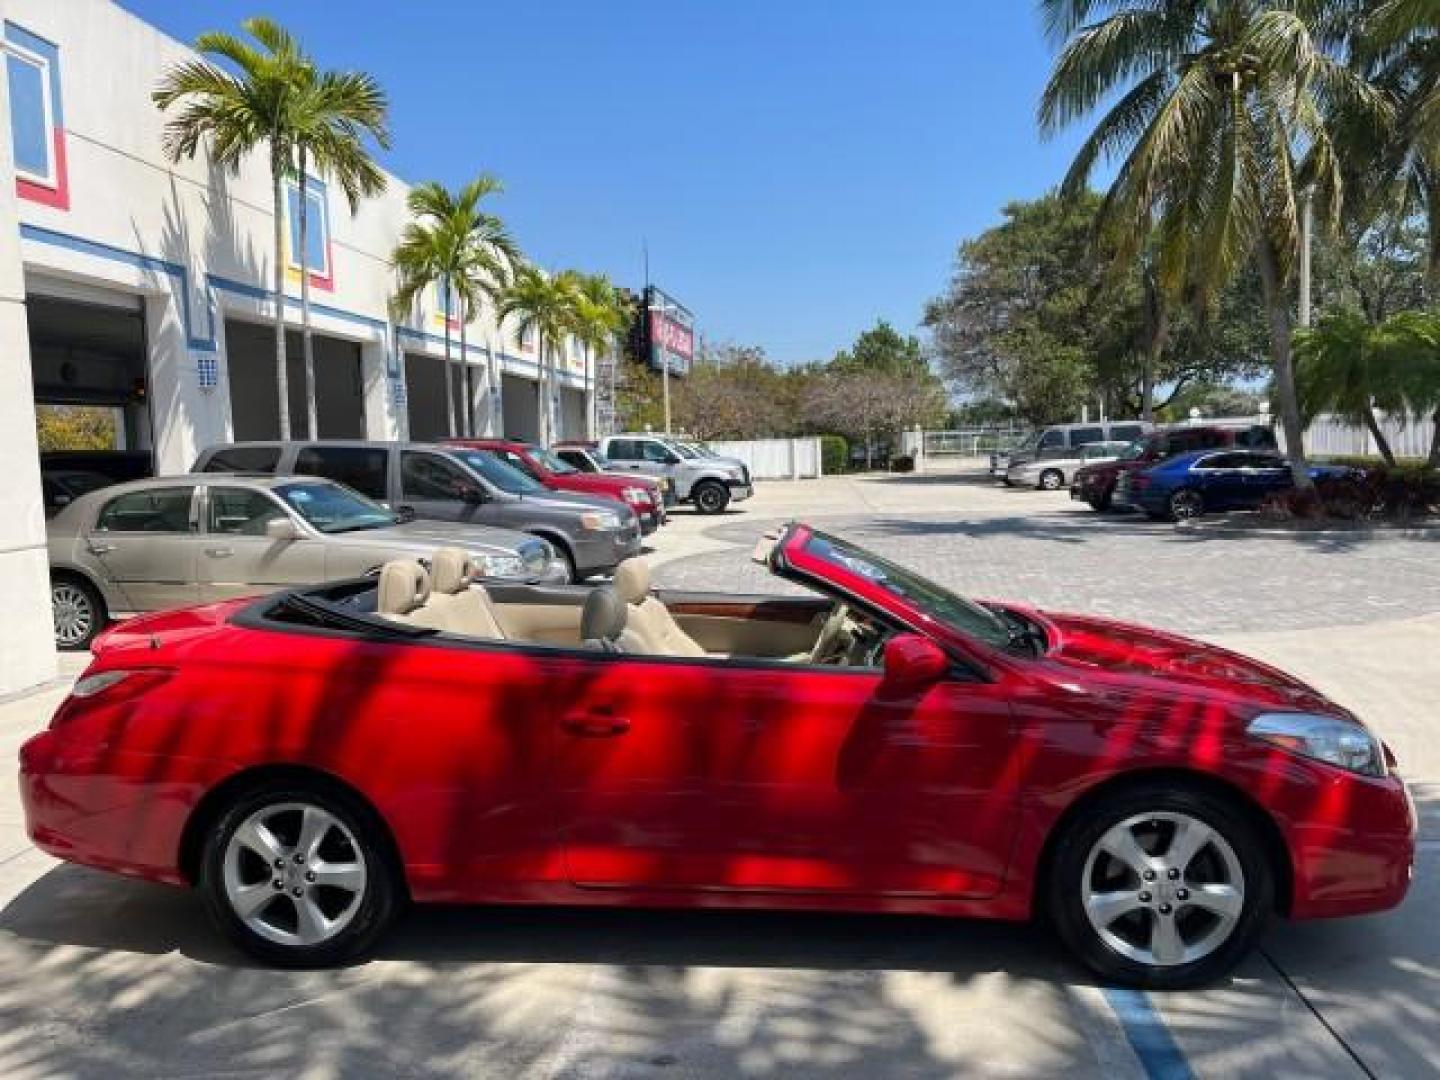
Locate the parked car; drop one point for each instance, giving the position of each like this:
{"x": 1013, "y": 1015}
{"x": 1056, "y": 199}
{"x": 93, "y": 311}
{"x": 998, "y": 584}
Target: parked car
{"x": 450, "y": 483}
{"x": 1095, "y": 484}
{"x": 640, "y": 493}
{"x": 1062, "y": 440}
{"x": 312, "y": 761}
{"x": 1190, "y": 485}
{"x": 585, "y": 456}
{"x": 709, "y": 482}
{"x": 176, "y": 540}
{"x": 1050, "y": 474}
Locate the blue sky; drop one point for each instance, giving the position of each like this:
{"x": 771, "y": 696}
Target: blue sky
{"x": 798, "y": 168}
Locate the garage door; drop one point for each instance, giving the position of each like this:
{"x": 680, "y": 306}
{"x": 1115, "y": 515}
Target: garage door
{"x": 425, "y": 396}
{"x": 572, "y": 413}
{"x": 519, "y": 402}
{"x": 254, "y": 405}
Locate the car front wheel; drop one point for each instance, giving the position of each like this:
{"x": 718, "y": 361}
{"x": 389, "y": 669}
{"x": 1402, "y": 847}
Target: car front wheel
{"x": 711, "y": 497}
{"x": 1186, "y": 505}
{"x": 1161, "y": 888}
{"x": 299, "y": 877}
{"x": 77, "y": 610}
{"x": 1052, "y": 480}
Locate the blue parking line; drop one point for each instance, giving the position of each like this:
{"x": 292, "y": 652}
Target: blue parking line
{"x": 1151, "y": 1040}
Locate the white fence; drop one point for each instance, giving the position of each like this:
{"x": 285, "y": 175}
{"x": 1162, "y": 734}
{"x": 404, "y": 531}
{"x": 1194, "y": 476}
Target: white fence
{"x": 1330, "y": 436}
{"x": 776, "y": 459}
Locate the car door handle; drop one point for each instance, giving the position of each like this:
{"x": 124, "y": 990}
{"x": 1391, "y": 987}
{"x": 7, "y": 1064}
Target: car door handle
{"x": 595, "y": 724}
{"x": 219, "y": 552}
{"x": 100, "y": 549}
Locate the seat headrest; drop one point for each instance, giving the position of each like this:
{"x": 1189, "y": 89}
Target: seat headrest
{"x": 404, "y": 586}
{"x": 451, "y": 571}
{"x": 632, "y": 580}
{"x": 604, "y": 616}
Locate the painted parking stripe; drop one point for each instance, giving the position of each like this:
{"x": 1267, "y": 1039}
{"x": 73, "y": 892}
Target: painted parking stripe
{"x": 1159, "y": 1055}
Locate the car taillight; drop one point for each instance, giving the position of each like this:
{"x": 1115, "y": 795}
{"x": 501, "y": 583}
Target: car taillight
{"x": 108, "y": 688}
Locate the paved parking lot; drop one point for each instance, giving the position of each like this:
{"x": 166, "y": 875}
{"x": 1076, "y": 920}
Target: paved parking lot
{"x": 106, "y": 977}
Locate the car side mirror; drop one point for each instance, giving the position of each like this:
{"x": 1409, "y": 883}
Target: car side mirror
{"x": 281, "y": 528}
{"x": 913, "y": 663}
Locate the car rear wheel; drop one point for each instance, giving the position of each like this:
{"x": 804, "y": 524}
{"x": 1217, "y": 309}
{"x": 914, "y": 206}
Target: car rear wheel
{"x": 1160, "y": 887}
{"x": 1185, "y": 505}
{"x": 711, "y": 497}
{"x": 299, "y": 877}
{"x": 78, "y": 611}
{"x": 1100, "y": 503}
{"x": 1052, "y": 480}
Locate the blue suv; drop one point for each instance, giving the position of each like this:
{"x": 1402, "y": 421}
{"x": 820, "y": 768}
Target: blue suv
{"x": 1189, "y": 485}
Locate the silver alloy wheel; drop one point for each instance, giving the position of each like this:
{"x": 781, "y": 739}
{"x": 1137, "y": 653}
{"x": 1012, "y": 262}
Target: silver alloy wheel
{"x": 294, "y": 874}
{"x": 1052, "y": 479}
{"x": 73, "y": 611}
{"x": 1186, "y": 504}
{"x": 1163, "y": 889}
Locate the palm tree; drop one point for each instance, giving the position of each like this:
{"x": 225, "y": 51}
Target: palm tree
{"x": 1220, "y": 116}
{"x": 333, "y": 113}
{"x": 1346, "y": 366}
{"x": 239, "y": 113}
{"x": 598, "y": 317}
{"x": 543, "y": 305}
{"x": 464, "y": 251}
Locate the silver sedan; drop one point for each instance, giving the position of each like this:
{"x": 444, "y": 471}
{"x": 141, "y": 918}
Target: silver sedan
{"x": 1053, "y": 473}
{"x": 172, "y": 541}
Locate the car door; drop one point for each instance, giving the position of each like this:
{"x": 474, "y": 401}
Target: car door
{"x": 146, "y": 540}
{"x": 1223, "y": 480}
{"x": 237, "y": 558}
{"x": 436, "y": 488}
{"x": 1264, "y": 475}
{"x": 746, "y": 776}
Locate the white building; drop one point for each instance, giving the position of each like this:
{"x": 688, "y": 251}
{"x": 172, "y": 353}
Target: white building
{"x": 147, "y": 287}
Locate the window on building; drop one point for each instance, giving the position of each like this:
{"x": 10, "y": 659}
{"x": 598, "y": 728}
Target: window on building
{"x": 317, "y": 227}
{"x": 32, "y": 114}
{"x": 359, "y": 467}
{"x": 154, "y": 510}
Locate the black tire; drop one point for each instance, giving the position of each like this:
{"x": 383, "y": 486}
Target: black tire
{"x": 383, "y": 893}
{"x": 1100, "y": 503}
{"x": 711, "y": 497}
{"x": 1067, "y": 883}
{"x": 1052, "y": 480}
{"x": 78, "y": 612}
{"x": 1187, "y": 504}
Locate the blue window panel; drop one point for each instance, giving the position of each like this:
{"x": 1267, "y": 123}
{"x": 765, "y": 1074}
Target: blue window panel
{"x": 29, "y": 123}
{"x": 315, "y": 231}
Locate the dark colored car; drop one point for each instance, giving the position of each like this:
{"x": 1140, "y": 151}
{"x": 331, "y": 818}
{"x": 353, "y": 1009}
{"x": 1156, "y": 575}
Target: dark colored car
{"x": 1190, "y": 485}
{"x": 1095, "y": 484}
{"x": 641, "y": 494}
{"x": 450, "y": 483}
{"x": 63, "y": 486}
{"x": 312, "y": 761}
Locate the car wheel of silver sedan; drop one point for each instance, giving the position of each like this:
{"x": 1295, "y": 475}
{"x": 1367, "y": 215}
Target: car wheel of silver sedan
{"x": 78, "y": 612}
{"x": 298, "y": 877}
{"x": 1162, "y": 887}
{"x": 1052, "y": 480}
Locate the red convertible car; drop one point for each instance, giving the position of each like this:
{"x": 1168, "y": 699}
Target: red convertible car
{"x": 314, "y": 759}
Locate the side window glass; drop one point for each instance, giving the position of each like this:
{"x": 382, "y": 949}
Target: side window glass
{"x": 358, "y": 467}
{"x": 1126, "y": 432}
{"x": 1087, "y": 435}
{"x": 429, "y": 476}
{"x": 159, "y": 510}
{"x": 622, "y": 450}
{"x": 241, "y": 512}
{"x": 244, "y": 459}
{"x": 655, "y": 452}
{"x": 513, "y": 459}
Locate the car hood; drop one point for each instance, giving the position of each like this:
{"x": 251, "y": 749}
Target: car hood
{"x": 423, "y": 534}
{"x": 567, "y": 501}
{"x": 602, "y": 484}
{"x": 1090, "y": 643}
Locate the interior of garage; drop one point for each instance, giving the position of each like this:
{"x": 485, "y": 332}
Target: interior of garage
{"x": 572, "y": 413}
{"x": 518, "y": 400}
{"x": 425, "y": 395}
{"x": 90, "y": 376}
{"x": 339, "y": 383}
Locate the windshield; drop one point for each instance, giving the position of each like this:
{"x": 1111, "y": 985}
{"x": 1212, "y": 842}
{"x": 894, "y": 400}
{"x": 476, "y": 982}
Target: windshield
{"x": 684, "y": 450}
{"x": 505, "y": 477}
{"x": 964, "y": 615}
{"x": 552, "y": 461}
{"x": 332, "y": 508}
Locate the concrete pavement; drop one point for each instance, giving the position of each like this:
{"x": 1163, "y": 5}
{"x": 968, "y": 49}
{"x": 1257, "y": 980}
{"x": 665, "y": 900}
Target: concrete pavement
{"x": 106, "y": 977}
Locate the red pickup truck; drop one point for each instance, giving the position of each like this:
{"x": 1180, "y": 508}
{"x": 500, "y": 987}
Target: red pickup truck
{"x": 641, "y": 494}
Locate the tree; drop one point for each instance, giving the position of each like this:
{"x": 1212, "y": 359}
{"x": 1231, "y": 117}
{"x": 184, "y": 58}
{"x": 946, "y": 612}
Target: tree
{"x": 598, "y": 317}
{"x": 239, "y": 113}
{"x": 1221, "y": 111}
{"x": 543, "y": 305}
{"x": 1342, "y": 366}
{"x": 883, "y": 349}
{"x": 332, "y": 113}
{"x": 467, "y": 253}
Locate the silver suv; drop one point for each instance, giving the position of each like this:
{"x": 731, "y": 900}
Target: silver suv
{"x": 700, "y": 477}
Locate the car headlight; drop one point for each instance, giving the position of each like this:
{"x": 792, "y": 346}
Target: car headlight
{"x": 636, "y": 495}
{"x": 502, "y": 566}
{"x": 735, "y": 472}
{"x": 1342, "y": 743}
{"x": 595, "y": 520}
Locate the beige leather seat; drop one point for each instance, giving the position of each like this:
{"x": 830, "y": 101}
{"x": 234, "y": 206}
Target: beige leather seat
{"x": 457, "y": 604}
{"x": 650, "y": 621}
{"x": 403, "y": 590}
